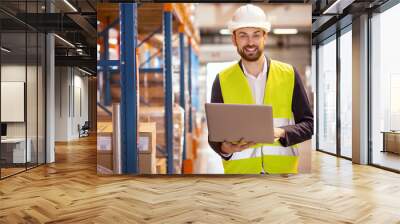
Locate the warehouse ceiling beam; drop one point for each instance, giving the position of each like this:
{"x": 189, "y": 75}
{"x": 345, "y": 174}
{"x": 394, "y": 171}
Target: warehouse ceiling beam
{"x": 85, "y": 61}
{"x": 16, "y": 19}
{"x": 84, "y": 24}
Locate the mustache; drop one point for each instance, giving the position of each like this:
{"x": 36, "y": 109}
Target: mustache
{"x": 250, "y": 46}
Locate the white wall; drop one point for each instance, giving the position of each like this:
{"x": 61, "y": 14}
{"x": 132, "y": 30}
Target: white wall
{"x": 14, "y": 73}
{"x": 71, "y": 94}
{"x": 61, "y": 103}
{"x": 33, "y": 126}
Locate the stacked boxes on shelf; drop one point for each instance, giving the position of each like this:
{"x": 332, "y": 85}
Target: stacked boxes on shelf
{"x": 104, "y": 148}
{"x": 157, "y": 115}
{"x": 147, "y": 148}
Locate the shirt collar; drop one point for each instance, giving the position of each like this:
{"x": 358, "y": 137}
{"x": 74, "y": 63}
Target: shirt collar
{"x": 261, "y": 75}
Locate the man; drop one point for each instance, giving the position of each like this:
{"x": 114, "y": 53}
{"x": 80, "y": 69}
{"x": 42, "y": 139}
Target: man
{"x": 256, "y": 79}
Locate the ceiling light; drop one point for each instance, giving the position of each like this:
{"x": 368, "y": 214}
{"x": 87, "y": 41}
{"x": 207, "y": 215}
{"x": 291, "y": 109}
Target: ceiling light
{"x": 224, "y": 32}
{"x": 5, "y": 50}
{"x": 284, "y": 31}
{"x": 65, "y": 41}
{"x": 86, "y": 72}
{"x": 70, "y": 5}
{"x": 337, "y": 7}
{"x": 113, "y": 41}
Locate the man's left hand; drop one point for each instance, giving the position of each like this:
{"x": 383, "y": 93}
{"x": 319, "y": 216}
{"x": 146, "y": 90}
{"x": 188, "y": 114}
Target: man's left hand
{"x": 279, "y": 132}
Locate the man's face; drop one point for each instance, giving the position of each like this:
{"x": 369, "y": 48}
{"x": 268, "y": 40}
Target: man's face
{"x": 249, "y": 42}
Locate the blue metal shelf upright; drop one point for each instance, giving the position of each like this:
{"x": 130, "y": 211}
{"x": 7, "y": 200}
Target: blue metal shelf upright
{"x": 128, "y": 79}
{"x": 169, "y": 104}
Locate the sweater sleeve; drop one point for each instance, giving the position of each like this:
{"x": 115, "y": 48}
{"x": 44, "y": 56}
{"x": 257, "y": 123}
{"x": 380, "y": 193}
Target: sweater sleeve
{"x": 216, "y": 97}
{"x": 303, "y": 128}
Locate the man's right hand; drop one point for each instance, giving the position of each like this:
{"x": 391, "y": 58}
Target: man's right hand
{"x": 229, "y": 147}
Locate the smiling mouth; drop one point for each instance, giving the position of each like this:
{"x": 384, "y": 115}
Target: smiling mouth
{"x": 251, "y": 50}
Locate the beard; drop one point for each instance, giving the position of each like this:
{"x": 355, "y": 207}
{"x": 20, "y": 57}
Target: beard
{"x": 250, "y": 52}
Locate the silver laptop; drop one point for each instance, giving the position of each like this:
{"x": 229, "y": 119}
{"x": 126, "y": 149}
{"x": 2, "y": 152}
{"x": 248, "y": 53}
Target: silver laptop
{"x": 232, "y": 122}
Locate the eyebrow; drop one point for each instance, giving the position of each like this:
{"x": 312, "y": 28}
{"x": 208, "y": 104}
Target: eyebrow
{"x": 256, "y": 32}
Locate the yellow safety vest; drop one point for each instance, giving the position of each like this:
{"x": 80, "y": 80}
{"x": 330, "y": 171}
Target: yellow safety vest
{"x": 278, "y": 93}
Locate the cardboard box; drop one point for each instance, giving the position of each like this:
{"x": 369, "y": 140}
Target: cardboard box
{"x": 147, "y": 148}
{"x": 104, "y": 150}
{"x": 105, "y": 159}
{"x": 177, "y": 166}
{"x": 189, "y": 149}
{"x": 156, "y": 114}
{"x": 104, "y": 147}
{"x": 147, "y": 163}
{"x": 161, "y": 166}
{"x": 188, "y": 166}
{"x": 147, "y": 137}
{"x": 152, "y": 92}
{"x": 146, "y": 78}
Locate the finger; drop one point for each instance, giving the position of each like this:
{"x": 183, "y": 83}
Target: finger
{"x": 245, "y": 146}
{"x": 252, "y": 144}
{"x": 228, "y": 144}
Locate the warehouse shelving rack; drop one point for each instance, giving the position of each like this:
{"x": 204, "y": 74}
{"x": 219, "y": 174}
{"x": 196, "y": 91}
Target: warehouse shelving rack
{"x": 149, "y": 19}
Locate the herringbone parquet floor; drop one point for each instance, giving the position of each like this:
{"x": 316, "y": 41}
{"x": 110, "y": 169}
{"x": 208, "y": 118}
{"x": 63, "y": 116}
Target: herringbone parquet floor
{"x": 69, "y": 191}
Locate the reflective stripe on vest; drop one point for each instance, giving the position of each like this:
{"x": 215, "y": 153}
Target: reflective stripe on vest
{"x": 278, "y": 93}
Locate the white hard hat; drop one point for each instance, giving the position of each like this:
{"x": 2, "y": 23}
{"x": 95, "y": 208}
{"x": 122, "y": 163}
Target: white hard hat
{"x": 249, "y": 16}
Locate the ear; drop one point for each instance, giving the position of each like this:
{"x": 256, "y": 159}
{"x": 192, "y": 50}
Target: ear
{"x": 265, "y": 37}
{"x": 234, "y": 39}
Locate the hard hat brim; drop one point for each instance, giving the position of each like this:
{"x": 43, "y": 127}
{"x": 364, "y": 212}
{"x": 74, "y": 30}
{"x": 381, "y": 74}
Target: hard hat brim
{"x": 232, "y": 26}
